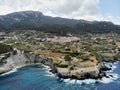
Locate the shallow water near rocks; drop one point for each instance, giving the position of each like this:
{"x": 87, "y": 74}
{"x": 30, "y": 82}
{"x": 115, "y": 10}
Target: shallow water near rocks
{"x": 37, "y": 77}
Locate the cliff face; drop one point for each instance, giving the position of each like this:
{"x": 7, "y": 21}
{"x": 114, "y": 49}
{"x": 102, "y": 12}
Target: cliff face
{"x": 77, "y": 74}
{"x": 11, "y": 60}
{"x": 21, "y": 59}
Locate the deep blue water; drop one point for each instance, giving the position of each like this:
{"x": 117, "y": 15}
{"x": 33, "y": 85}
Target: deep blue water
{"x": 37, "y": 77}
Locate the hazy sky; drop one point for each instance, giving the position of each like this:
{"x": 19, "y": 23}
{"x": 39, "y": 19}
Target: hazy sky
{"x": 79, "y": 9}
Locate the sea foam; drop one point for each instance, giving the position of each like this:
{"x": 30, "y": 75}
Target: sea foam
{"x": 12, "y": 71}
{"x": 104, "y": 80}
{"x": 86, "y": 81}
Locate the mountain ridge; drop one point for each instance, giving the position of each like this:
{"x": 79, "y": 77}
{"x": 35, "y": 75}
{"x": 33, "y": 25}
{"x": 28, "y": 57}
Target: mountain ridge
{"x": 38, "y": 21}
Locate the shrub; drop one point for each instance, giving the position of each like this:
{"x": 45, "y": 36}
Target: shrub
{"x": 71, "y": 68}
{"x": 62, "y": 65}
{"x": 5, "y": 48}
{"x": 67, "y": 58}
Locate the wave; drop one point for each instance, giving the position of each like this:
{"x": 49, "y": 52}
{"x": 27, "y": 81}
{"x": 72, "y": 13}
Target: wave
{"x": 17, "y": 67}
{"x": 104, "y": 80}
{"x": 47, "y": 71}
{"x": 86, "y": 81}
{"x": 12, "y": 71}
{"x": 114, "y": 76}
{"x": 110, "y": 79}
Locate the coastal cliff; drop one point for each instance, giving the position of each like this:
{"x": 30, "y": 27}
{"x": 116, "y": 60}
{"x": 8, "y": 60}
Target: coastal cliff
{"x": 11, "y": 60}
{"x": 85, "y": 73}
{"x": 14, "y": 59}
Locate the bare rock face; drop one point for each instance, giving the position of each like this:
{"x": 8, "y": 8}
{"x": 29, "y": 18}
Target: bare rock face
{"x": 96, "y": 73}
{"x": 12, "y": 60}
{"x": 79, "y": 75}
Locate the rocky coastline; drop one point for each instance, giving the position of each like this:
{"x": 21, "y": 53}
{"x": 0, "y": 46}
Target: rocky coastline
{"x": 97, "y": 74}
{"x": 18, "y": 58}
{"x": 11, "y": 60}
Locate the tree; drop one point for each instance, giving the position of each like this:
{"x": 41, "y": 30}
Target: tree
{"x": 67, "y": 58}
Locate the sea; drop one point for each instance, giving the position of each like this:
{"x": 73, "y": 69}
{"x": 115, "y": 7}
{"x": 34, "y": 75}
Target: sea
{"x": 39, "y": 77}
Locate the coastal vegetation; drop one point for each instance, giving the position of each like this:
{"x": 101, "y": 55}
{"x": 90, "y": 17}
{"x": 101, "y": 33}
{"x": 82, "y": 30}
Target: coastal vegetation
{"x": 72, "y": 55}
{"x": 5, "y": 48}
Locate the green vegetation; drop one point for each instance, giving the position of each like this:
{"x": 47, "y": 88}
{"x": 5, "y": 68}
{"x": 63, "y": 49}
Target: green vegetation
{"x": 5, "y": 48}
{"x": 71, "y": 68}
{"x": 68, "y": 58}
{"x": 62, "y": 65}
{"x": 86, "y": 52}
{"x": 98, "y": 57}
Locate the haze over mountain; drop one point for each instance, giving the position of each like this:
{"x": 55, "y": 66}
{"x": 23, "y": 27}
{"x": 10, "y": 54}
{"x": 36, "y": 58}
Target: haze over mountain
{"x": 33, "y": 20}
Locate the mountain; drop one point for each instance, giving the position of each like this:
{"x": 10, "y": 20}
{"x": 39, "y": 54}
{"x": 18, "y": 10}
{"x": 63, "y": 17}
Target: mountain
{"x": 34, "y": 20}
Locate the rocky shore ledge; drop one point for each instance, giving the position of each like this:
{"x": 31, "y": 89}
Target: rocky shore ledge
{"x": 96, "y": 73}
{"x": 11, "y": 60}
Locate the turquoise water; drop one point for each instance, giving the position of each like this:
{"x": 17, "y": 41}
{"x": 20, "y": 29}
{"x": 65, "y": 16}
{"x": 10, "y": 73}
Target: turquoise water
{"x": 37, "y": 77}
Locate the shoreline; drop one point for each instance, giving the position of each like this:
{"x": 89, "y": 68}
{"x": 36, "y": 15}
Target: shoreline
{"x": 16, "y": 68}
{"x": 104, "y": 80}
{"x": 31, "y": 58}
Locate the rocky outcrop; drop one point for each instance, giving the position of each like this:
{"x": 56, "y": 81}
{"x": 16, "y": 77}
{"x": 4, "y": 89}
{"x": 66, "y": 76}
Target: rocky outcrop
{"x": 111, "y": 59}
{"x": 11, "y": 60}
{"x": 80, "y": 76}
{"x": 96, "y": 73}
